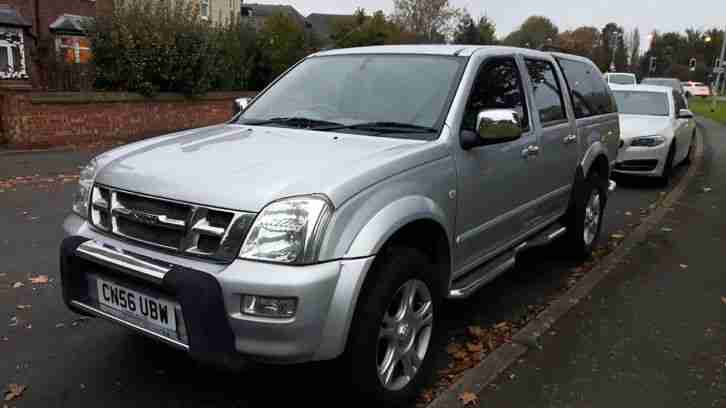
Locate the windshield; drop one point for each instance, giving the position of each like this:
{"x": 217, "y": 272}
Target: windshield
{"x": 357, "y": 89}
{"x": 642, "y": 103}
{"x": 621, "y": 79}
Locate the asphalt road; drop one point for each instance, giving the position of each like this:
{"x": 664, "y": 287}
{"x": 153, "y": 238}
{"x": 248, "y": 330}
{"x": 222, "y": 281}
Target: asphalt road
{"x": 66, "y": 362}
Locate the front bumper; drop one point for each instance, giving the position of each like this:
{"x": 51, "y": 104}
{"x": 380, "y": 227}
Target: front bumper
{"x": 642, "y": 161}
{"x": 209, "y": 296}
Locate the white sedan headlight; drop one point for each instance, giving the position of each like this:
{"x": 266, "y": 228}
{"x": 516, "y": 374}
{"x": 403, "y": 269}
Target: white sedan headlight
{"x": 288, "y": 231}
{"x": 85, "y": 186}
{"x": 647, "y": 141}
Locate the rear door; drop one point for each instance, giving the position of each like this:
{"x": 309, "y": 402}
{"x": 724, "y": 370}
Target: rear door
{"x": 684, "y": 128}
{"x": 557, "y": 136}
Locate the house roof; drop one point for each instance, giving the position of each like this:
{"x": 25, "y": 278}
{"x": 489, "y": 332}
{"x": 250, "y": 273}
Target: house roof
{"x": 70, "y": 23}
{"x": 269, "y": 10}
{"x": 324, "y": 25}
{"x": 10, "y": 17}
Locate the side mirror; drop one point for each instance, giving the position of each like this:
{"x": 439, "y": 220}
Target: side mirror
{"x": 493, "y": 126}
{"x": 239, "y": 105}
{"x": 685, "y": 114}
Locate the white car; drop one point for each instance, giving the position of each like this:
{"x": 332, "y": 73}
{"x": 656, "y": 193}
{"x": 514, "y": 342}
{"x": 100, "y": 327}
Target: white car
{"x": 656, "y": 129}
{"x": 621, "y": 78}
{"x": 696, "y": 89}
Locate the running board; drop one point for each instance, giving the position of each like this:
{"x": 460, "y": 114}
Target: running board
{"x": 466, "y": 285}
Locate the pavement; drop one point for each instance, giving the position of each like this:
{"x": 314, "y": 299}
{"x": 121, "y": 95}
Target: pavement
{"x": 653, "y": 333}
{"x": 66, "y": 361}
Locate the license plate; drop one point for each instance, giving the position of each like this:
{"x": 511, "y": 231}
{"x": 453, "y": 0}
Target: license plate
{"x": 149, "y": 309}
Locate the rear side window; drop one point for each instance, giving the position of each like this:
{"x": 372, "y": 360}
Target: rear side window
{"x": 589, "y": 92}
{"x": 678, "y": 101}
{"x": 547, "y": 93}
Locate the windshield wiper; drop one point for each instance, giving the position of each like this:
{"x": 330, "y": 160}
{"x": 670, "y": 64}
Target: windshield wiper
{"x": 383, "y": 127}
{"x": 294, "y": 121}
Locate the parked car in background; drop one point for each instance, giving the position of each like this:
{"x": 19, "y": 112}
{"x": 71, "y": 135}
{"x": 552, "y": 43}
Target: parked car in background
{"x": 674, "y": 83}
{"x": 621, "y": 78}
{"x": 696, "y": 89}
{"x": 657, "y": 130}
{"x": 334, "y": 214}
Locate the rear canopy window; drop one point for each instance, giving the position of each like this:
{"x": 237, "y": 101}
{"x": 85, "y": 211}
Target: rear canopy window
{"x": 621, "y": 79}
{"x": 642, "y": 103}
{"x": 588, "y": 90}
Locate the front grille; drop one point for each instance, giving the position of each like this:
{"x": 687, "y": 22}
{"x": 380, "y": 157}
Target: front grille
{"x": 637, "y": 165}
{"x": 179, "y": 227}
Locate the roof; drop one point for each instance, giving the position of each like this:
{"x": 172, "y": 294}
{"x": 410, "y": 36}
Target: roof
{"x": 269, "y": 10}
{"x": 641, "y": 88}
{"x": 620, "y": 73}
{"x": 10, "y": 17}
{"x": 324, "y": 25}
{"x": 435, "y": 49}
{"x": 71, "y": 23}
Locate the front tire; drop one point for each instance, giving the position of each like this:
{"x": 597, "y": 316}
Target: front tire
{"x": 691, "y": 150}
{"x": 665, "y": 176}
{"x": 584, "y": 220}
{"x": 395, "y": 334}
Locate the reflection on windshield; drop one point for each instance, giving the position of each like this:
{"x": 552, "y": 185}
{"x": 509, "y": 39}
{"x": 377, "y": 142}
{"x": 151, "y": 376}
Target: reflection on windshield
{"x": 642, "y": 103}
{"x": 356, "y": 89}
{"x": 621, "y": 79}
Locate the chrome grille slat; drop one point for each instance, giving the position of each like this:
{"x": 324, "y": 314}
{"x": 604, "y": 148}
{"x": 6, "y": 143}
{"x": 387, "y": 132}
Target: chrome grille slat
{"x": 184, "y": 228}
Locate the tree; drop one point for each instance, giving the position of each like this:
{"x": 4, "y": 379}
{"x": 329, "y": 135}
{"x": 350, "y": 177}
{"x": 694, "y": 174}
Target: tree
{"x": 582, "y": 41}
{"x": 633, "y": 45}
{"x": 535, "y": 32}
{"x": 612, "y": 49}
{"x": 363, "y": 30}
{"x": 487, "y": 31}
{"x": 280, "y": 43}
{"x": 431, "y": 20}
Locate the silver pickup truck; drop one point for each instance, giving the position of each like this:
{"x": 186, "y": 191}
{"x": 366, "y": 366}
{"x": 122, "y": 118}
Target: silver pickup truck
{"x": 334, "y": 214}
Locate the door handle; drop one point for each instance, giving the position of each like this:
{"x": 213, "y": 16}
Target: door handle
{"x": 570, "y": 139}
{"x": 530, "y": 151}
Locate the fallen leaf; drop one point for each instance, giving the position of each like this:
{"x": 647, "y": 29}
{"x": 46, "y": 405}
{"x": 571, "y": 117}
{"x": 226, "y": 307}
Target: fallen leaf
{"x": 468, "y": 398}
{"x": 18, "y": 285}
{"x": 474, "y": 347}
{"x": 500, "y": 325}
{"x": 461, "y": 355}
{"x": 29, "y": 326}
{"x": 40, "y": 279}
{"x": 59, "y": 325}
{"x": 707, "y": 189}
{"x": 23, "y": 307}
{"x": 684, "y": 266}
{"x": 628, "y": 213}
{"x": 723, "y": 300}
{"x": 666, "y": 229}
{"x": 453, "y": 348}
{"x": 14, "y": 391}
{"x": 476, "y": 331}
{"x": 617, "y": 236}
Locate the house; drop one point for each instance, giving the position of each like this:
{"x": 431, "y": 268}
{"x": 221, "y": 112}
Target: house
{"x": 218, "y": 11}
{"x": 257, "y": 14}
{"x": 324, "y": 26}
{"x": 31, "y": 29}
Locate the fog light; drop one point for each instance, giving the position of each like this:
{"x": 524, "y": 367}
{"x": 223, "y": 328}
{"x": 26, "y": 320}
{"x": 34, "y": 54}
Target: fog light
{"x": 269, "y": 306}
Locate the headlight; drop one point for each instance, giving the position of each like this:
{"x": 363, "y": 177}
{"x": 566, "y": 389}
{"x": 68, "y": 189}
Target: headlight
{"x": 288, "y": 231}
{"x": 85, "y": 185}
{"x": 648, "y": 141}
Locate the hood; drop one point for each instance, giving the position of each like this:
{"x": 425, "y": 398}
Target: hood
{"x": 246, "y": 167}
{"x": 643, "y": 125}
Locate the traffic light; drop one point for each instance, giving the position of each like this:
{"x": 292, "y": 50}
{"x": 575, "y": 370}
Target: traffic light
{"x": 692, "y": 64}
{"x": 652, "y": 64}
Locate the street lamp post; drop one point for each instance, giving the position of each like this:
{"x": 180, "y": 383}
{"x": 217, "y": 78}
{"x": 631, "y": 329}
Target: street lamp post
{"x": 719, "y": 72}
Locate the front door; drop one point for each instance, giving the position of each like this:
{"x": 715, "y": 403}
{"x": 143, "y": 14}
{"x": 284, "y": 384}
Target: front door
{"x": 559, "y": 148}
{"x": 494, "y": 181}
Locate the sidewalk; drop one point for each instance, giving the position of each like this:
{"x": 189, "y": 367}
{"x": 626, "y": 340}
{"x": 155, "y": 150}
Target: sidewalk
{"x": 652, "y": 334}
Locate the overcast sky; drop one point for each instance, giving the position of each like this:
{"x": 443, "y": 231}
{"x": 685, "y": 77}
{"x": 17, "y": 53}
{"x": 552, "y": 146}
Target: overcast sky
{"x": 664, "y": 15}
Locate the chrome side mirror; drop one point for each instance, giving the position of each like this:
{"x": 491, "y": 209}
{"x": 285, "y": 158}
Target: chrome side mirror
{"x": 493, "y": 126}
{"x": 240, "y": 104}
{"x": 685, "y": 114}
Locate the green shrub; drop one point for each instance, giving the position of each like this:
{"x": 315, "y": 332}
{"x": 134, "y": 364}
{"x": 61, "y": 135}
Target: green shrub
{"x": 162, "y": 46}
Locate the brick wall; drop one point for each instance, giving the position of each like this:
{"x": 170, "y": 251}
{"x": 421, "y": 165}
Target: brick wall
{"x": 38, "y": 120}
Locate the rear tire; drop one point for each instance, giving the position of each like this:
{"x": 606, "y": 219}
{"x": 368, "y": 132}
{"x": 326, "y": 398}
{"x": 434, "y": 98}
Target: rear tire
{"x": 391, "y": 348}
{"x": 584, "y": 219}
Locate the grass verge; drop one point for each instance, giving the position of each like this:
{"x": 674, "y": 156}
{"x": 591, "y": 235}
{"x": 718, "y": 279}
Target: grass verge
{"x": 702, "y": 107}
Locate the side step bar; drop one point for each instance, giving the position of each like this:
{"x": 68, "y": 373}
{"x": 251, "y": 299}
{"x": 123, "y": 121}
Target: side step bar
{"x": 466, "y": 285}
